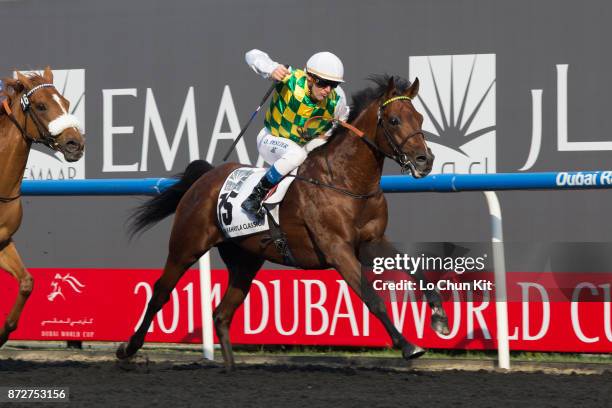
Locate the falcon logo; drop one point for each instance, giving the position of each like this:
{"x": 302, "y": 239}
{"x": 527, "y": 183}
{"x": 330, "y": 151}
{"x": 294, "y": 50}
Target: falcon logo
{"x": 457, "y": 100}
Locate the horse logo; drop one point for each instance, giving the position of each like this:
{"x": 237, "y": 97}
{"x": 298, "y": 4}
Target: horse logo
{"x": 459, "y": 110}
{"x": 59, "y": 282}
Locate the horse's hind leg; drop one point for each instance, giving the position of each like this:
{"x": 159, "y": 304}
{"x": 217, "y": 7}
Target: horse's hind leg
{"x": 242, "y": 267}
{"x": 173, "y": 271}
{"x": 11, "y": 262}
{"x": 190, "y": 239}
{"x": 383, "y": 248}
{"x": 346, "y": 263}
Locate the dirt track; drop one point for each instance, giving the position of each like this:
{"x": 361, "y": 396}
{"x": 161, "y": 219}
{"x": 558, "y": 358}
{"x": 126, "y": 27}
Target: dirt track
{"x": 106, "y": 383}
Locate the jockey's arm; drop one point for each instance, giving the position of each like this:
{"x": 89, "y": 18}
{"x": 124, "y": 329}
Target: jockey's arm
{"x": 342, "y": 108}
{"x": 262, "y": 64}
{"x": 341, "y": 112}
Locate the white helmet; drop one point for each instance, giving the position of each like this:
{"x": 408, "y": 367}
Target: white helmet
{"x": 326, "y": 65}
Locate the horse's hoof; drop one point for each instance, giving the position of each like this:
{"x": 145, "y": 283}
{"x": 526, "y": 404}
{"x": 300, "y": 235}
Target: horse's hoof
{"x": 229, "y": 369}
{"x": 440, "y": 325}
{"x": 122, "y": 353}
{"x": 5, "y": 331}
{"x": 411, "y": 351}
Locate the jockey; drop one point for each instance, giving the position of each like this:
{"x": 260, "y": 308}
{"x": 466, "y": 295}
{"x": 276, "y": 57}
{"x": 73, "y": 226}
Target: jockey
{"x": 299, "y": 96}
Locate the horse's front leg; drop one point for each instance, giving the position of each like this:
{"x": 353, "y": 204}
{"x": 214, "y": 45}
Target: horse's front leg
{"x": 343, "y": 258}
{"x": 383, "y": 248}
{"x": 11, "y": 262}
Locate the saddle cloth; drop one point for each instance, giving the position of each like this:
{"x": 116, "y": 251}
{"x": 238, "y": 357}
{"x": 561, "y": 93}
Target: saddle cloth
{"x": 232, "y": 219}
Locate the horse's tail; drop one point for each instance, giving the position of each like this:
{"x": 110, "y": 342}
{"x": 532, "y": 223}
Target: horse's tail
{"x": 164, "y": 204}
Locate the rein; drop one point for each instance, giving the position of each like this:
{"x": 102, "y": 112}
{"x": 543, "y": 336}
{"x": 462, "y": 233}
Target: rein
{"x": 334, "y": 188}
{"x": 398, "y": 156}
{"x": 4, "y": 200}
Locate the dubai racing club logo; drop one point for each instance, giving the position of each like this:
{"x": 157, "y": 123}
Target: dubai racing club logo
{"x": 457, "y": 100}
{"x": 45, "y": 164}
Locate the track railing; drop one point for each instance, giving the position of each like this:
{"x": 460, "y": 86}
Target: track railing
{"x": 443, "y": 183}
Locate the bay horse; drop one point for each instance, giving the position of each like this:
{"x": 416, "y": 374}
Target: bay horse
{"x": 33, "y": 111}
{"x": 325, "y": 227}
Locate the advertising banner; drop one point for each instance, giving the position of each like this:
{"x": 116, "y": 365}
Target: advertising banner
{"x": 546, "y": 313}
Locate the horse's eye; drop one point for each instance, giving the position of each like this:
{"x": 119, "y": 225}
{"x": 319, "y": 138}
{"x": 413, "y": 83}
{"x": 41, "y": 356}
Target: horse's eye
{"x": 41, "y": 107}
{"x": 394, "y": 120}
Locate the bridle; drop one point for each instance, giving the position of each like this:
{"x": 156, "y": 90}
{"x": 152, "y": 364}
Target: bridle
{"x": 45, "y": 137}
{"x": 398, "y": 155}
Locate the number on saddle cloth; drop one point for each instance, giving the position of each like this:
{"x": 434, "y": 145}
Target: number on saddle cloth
{"x": 232, "y": 219}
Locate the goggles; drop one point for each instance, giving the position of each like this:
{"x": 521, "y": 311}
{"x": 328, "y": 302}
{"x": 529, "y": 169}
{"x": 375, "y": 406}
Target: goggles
{"x": 324, "y": 83}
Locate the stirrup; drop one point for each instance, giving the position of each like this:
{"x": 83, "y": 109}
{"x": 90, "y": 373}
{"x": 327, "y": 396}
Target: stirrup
{"x": 255, "y": 212}
{"x": 258, "y": 214}
{"x": 257, "y": 196}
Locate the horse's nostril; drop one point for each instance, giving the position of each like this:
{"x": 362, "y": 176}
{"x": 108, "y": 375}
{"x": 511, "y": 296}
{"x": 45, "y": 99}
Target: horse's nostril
{"x": 421, "y": 159}
{"x": 72, "y": 146}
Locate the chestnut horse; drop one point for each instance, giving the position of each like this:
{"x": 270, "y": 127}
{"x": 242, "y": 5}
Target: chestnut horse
{"x": 33, "y": 112}
{"x": 325, "y": 227}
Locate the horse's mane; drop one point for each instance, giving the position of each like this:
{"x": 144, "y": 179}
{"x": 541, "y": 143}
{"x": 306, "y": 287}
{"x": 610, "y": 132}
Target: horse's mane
{"x": 362, "y": 99}
{"x": 33, "y": 76}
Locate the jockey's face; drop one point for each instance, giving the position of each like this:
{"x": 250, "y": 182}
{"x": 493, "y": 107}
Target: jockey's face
{"x": 319, "y": 90}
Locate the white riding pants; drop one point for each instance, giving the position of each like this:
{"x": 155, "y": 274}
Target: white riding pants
{"x": 284, "y": 154}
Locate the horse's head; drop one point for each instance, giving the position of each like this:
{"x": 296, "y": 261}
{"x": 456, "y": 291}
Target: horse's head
{"x": 45, "y": 116}
{"x": 399, "y": 133}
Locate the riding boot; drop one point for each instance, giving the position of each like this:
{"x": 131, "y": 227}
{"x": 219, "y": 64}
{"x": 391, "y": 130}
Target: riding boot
{"x": 253, "y": 203}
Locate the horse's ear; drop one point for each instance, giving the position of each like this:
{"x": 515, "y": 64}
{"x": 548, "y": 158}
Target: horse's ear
{"x": 48, "y": 75}
{"x": 12, "y": 86}
{"x": 414, "y": 89}
{"x": 390, "y": 92}
{"x": 24, "y": 80}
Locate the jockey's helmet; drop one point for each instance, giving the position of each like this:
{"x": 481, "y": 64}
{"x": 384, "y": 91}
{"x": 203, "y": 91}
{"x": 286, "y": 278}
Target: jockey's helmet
{"x": 326, "y": 65}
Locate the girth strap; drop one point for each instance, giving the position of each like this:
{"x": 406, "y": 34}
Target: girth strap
{"x": 337, "y": 189}
{"x": 279, "y": 239}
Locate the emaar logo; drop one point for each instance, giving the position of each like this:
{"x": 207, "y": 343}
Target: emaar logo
{"x": 457, "y": 100}
{"x": 45, "y": 164}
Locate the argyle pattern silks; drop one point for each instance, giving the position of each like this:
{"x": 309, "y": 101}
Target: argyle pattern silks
{"x": 291, "y": 107}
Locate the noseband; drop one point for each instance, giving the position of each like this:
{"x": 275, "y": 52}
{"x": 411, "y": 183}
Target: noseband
{"x": 45, "y": 137}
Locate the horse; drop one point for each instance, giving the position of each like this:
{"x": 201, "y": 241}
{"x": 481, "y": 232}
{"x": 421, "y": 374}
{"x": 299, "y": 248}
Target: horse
{"x": 333, "y": 214}
{"x": 33, "y": 111}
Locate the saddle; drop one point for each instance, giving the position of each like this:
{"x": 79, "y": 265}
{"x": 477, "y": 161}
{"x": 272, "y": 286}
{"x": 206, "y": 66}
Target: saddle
{"x": 234, "y": 222}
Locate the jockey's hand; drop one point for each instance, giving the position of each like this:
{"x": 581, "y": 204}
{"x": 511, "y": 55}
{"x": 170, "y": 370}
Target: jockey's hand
{"x": 280, "y": 73}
